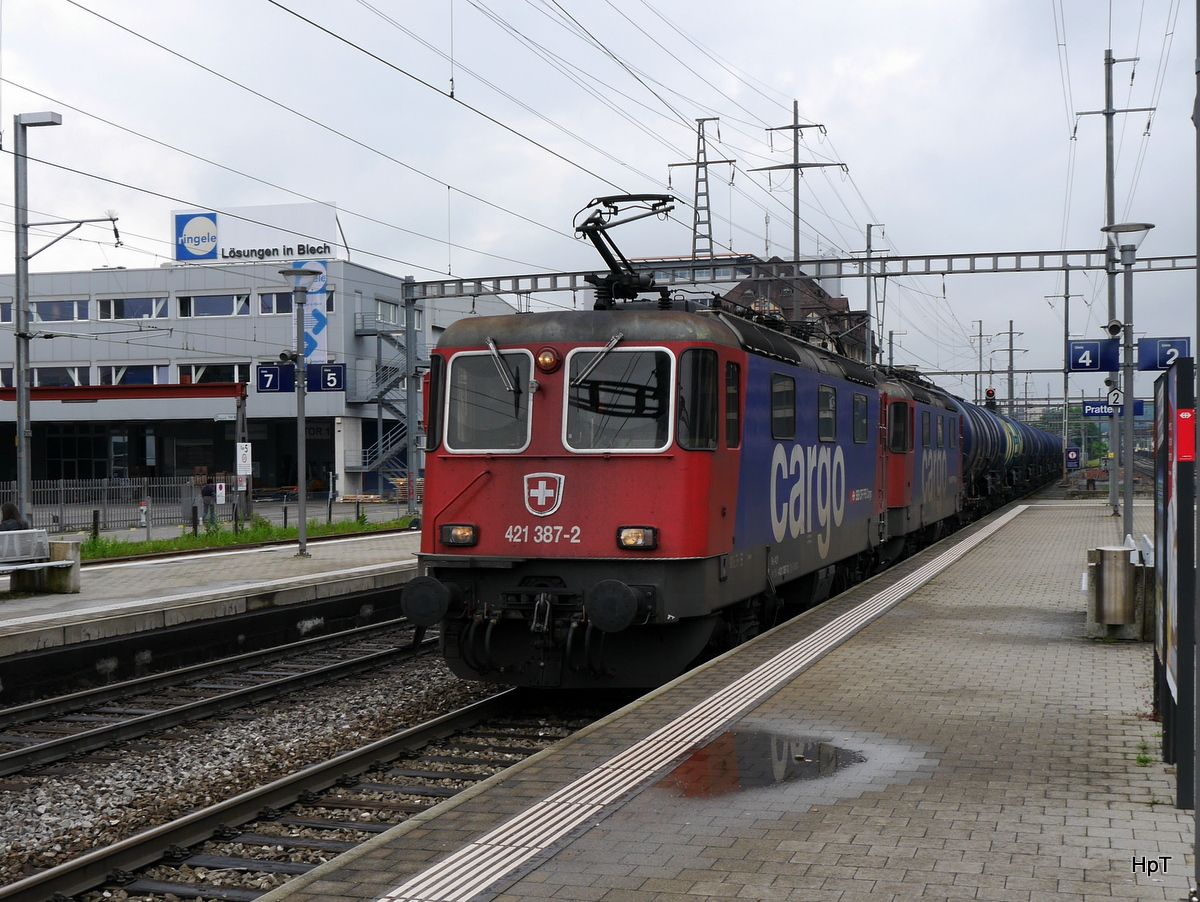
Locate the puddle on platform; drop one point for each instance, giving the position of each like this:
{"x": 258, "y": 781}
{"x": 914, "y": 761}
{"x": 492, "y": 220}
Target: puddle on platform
{"x": 752, "y": 759}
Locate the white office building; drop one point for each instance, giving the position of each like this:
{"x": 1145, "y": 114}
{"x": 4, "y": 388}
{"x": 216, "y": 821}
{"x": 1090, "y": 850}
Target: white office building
{"x": 221, "y": 313}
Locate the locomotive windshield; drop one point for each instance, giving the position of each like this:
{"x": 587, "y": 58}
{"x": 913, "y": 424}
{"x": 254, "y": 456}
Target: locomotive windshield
{"x": 486, "y": 411}
{"x": 624, "y": 404}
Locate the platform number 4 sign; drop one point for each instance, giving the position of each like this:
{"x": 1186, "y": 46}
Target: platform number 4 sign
{"x": 1094, "y": 356}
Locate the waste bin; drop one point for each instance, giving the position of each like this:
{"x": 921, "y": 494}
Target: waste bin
{"x": 1113, "y": 603}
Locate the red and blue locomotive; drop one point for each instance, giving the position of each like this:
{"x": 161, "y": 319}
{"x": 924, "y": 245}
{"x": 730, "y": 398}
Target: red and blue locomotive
{"x": 609, "y": 493}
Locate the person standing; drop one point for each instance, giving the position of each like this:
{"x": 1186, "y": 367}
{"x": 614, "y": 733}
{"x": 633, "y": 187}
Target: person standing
{"x": 208, "y": 497}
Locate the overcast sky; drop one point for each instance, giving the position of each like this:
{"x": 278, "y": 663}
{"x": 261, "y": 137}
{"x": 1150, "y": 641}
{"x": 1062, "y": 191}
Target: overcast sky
{"x": 954, "y": 117}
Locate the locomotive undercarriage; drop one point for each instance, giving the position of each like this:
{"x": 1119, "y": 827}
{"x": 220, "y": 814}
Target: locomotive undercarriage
{"x": 568, "y": 623}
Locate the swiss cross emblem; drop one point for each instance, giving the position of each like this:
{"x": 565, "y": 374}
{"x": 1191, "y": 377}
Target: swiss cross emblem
{"x": 543, "y": 493}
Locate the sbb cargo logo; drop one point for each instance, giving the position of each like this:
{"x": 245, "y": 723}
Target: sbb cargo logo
{"x": 195, "y": 236}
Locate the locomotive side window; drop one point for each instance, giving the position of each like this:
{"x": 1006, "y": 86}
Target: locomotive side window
{"x": 941, "y": 431}
{"x": 619, "y": 400}
{"x": 925, "y": 428}
{"x": 954, "y": 426}
{"x": 827, "y": 413}
{"x": 860, "y": 419}
{"x": 486, "y": 411}
{"x": 698, "y": 419}
{"x": 733, "y": 405}
{"x": 437, "y": 384}
{"x": 898, "y": 427}
{"x": 783, "y": 407}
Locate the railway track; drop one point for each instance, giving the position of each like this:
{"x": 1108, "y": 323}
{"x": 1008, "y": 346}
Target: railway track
{"x": 244, "y": 846}
{"x": 51, "y": 730}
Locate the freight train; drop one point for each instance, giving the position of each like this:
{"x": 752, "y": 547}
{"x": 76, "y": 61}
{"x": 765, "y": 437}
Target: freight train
{"x": 612, "y": 493}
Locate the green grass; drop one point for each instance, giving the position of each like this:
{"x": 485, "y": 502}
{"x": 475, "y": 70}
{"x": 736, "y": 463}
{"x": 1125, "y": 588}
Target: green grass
{"x": 259, "y": 530}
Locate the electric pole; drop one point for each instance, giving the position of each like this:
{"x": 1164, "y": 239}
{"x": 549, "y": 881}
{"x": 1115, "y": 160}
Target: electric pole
{"x": 1066, "y": 420}
{"x": 1111, "y": 251}
{"x": 870, "y": 318}
{"x": 702, "y": 240}
{"x": 797, "y": 167}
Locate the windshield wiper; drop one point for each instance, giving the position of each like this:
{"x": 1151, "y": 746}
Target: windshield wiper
{"x": 587, "y": 370}
{"x": 505, "y": 375}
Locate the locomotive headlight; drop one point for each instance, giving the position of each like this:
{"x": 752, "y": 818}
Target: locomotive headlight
{"x": 548, "y": 360}
{"x": 642, "y": 538}
{"x": 459, "y": 534}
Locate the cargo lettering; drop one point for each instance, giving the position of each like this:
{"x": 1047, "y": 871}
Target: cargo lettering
{"x": 934, "y": 475}
{"x": 808, "y": 492}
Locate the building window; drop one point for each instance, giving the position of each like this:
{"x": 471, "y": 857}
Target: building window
{"x": 202, "y": 373}
{"x": 215, "y": 305}
{"x": 275, "y": 302}
{"x": 134, "y": 375}
{"x": 133, "y": 308}
{"x": 60, "y": 375}
{"x": 57, "y": 311}
{"x": 280, "y": 302}
{"x": 6, "y": 380}
{"x": 387, "y": 312}
{"x": 77, "y": 451}
{"x": 826, "y": 413}
{"x": 6, "y": 311}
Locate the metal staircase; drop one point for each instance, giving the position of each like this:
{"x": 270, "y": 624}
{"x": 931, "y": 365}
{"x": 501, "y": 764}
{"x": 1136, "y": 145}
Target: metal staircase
{"x": 383, "y": 385}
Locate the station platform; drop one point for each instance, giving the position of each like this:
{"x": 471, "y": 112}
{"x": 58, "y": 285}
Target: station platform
{"x": 123, "y": 597}
{"x": 943, "y": 731}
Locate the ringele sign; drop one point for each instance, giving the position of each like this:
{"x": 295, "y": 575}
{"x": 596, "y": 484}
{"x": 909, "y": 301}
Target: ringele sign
{"x": 256, "y": 234}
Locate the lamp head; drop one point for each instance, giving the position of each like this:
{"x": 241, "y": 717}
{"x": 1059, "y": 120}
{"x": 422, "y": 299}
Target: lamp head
{"x": 1127, "y": 234}
{"x": 302, "y": 276}
{"x": 29, "y": 119}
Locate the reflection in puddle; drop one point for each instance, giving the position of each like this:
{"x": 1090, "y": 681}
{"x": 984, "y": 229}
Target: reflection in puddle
{"x": 736, "y": 761}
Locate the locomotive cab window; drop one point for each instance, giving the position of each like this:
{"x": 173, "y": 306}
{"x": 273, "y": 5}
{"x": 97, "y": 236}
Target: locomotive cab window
{"x": 783, "y": 407}
{"x": 898, "y": 427}
{"x": 433, "y": 402}
{"x": 733, "y": 405}
{"x": 827, "y": 413}
{"x": 488, "y": 404}
{"x": 620, "y": 400}
{"x": 698, "y": 419}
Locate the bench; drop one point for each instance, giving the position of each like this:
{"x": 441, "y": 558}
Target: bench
{"x": 36, "y": 564}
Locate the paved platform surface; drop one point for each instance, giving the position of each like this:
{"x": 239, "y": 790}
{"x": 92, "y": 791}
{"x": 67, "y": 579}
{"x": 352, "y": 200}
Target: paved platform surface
{"x": 967, "y": 744}
{"x": 122, "y": 597}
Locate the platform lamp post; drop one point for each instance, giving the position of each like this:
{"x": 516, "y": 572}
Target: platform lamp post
{"x": 302, "y": 279}
{"x": 1127, "y": 237}
{"x": 22, "y": 122}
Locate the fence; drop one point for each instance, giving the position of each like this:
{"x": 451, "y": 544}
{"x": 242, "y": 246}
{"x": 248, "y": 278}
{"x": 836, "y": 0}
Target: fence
{"x": 69, "y": 505}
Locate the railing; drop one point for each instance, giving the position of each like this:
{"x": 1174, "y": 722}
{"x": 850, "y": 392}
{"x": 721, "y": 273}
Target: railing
{"x": 67, "y": 505}
{"x": 394, "y": 441}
